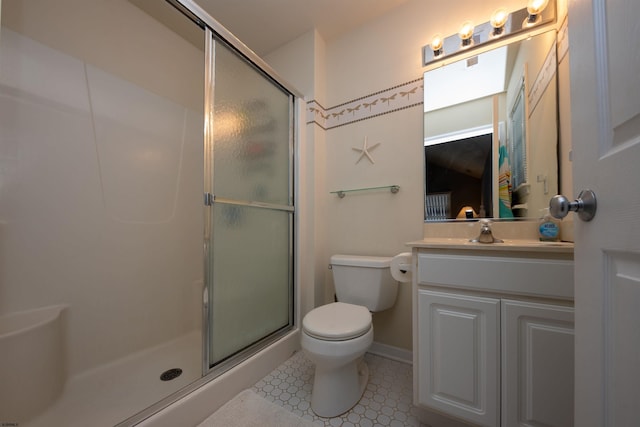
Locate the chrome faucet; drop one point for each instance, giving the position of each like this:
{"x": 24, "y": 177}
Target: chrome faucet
{"x": 485, "y": 233}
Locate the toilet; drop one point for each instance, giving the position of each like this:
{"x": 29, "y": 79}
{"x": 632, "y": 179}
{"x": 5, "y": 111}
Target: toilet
{"x": 336, "y": 336}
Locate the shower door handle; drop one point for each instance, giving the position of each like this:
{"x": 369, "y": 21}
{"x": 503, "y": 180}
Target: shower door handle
{"x": 210, "y": 199}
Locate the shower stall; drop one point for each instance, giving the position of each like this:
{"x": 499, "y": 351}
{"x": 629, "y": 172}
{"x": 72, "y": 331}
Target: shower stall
{"x": 146, "y": 208}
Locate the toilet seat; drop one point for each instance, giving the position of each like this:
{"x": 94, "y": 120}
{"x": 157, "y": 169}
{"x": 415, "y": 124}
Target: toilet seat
{"x": 337, "y": 321}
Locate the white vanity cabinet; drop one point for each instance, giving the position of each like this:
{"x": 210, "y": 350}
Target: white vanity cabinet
{"x": 537, "y": 364}
{"x": 493, "y": 334}
{"x": 458, "y": 367}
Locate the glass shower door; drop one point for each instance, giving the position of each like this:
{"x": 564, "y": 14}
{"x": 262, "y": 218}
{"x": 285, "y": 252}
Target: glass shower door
{"x": 250, "y": 225}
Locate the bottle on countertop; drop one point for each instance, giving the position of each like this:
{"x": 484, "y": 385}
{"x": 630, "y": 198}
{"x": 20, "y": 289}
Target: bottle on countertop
{"x": 548, "y": 227}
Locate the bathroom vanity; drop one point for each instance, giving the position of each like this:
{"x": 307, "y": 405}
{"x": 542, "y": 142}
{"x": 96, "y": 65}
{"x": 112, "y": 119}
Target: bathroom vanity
{"x": 493, "y": 331}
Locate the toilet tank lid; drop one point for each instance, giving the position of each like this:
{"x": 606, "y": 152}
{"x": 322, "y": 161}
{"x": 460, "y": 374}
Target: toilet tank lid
{"x": 361, "y": 261}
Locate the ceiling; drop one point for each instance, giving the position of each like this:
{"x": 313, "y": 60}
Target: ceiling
{"x": 265, "y": 25}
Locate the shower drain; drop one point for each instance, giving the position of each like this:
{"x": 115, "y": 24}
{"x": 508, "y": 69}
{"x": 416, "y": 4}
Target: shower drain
{"x": 171, "y": 374}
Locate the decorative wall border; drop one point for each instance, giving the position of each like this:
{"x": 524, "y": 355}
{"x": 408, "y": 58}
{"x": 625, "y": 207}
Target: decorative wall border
{"x": 397, "y": 98}
{"x": 563, "y": 40}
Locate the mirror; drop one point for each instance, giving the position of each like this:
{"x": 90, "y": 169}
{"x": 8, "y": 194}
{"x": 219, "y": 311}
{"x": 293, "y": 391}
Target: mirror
{"x": 490, "y": 133}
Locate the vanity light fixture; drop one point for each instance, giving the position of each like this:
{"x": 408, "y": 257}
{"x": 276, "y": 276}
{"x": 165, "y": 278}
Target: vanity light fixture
{"x": 436, "y": 45}
{"x": 466, "y": 33}
{"x": 498, "y": 19}
{"x": 535, "y": 18}
{"x": 534, "y": 9}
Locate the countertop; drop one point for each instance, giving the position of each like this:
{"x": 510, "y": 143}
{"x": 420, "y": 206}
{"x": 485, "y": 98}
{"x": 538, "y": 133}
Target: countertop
{"x": 508, "y": 245}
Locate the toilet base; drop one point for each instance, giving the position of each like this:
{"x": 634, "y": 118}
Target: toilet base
{"x": 338, "y": 390}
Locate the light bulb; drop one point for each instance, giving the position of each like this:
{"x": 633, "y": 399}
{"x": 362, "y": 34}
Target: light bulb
{"x": 535, "y": 8}
{"x": 436, "y": 44}
{"x": 466, "y": 32}
{"x": 498, "y": 20}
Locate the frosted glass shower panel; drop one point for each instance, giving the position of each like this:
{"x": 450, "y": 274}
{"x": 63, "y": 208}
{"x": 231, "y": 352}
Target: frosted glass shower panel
{"x": 251, "y": 273}
{"x": 251, "y": 129}
{"x": 250, "y": 269}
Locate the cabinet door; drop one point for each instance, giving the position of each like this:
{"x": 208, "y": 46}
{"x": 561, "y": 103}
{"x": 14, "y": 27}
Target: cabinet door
{"x": 459, "y": 357}
{"x": 537, "y": 375}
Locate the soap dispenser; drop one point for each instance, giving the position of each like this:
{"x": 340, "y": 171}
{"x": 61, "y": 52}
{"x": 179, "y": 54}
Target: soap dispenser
{"x": 548, "y": 227}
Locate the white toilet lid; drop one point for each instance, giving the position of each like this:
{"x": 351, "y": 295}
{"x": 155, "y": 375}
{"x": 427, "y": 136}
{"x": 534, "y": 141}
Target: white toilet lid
{"x": 337, "y": 321}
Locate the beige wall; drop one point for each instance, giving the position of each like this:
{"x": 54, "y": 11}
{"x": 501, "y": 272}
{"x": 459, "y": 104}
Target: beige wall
{"x": 377, "y": 56}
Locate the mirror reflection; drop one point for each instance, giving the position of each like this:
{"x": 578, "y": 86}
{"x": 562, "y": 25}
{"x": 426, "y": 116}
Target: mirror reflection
{"x": 490, "y": 133}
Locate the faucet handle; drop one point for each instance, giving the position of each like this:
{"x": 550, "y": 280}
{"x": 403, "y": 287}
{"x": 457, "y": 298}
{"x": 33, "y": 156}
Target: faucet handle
{"x": 485, "y": 233}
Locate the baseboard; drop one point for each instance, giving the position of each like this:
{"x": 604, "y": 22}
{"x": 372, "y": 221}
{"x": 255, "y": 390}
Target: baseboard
{"x": 391, "y": 352}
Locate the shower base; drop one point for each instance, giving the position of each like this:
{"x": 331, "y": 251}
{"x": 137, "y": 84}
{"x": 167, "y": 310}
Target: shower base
{"x": 109, "y": 394}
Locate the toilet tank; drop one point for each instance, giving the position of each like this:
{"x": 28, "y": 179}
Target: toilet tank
{"x": 364, "y": 280}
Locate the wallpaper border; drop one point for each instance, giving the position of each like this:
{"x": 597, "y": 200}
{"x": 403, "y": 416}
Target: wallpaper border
{"x": 387, "y": 101}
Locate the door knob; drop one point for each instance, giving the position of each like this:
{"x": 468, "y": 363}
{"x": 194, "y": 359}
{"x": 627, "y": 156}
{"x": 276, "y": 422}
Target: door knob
{"x": 585, "y": 205}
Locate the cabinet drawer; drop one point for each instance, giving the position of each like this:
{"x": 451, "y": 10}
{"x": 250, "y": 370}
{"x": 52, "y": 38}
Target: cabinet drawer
{"x": 526, "y": 276}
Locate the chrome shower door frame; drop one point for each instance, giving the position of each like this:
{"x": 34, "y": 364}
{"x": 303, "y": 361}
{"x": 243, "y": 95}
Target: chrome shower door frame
{"x": 216, "y": 34}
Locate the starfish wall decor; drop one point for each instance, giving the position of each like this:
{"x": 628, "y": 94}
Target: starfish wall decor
{"x": 365, "y": 151}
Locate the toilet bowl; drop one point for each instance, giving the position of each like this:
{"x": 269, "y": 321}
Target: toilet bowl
{"x": 335, "y": 337}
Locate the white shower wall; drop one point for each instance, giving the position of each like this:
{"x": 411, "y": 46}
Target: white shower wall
{"x": 100, "y": 201}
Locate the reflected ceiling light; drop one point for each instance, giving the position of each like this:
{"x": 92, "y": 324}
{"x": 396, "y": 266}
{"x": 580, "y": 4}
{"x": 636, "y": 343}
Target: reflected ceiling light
{"x": 498, "y": 20}
{"x": 466, "y": 33}
{"x": 436, "y": 45}
{"x": 534, "y": 9}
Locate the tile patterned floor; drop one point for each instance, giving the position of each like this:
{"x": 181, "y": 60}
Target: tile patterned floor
{"x": 386, "y": 400}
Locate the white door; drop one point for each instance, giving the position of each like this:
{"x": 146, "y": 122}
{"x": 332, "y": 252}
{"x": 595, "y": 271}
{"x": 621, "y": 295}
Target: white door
{"x": 604, "y": 37}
